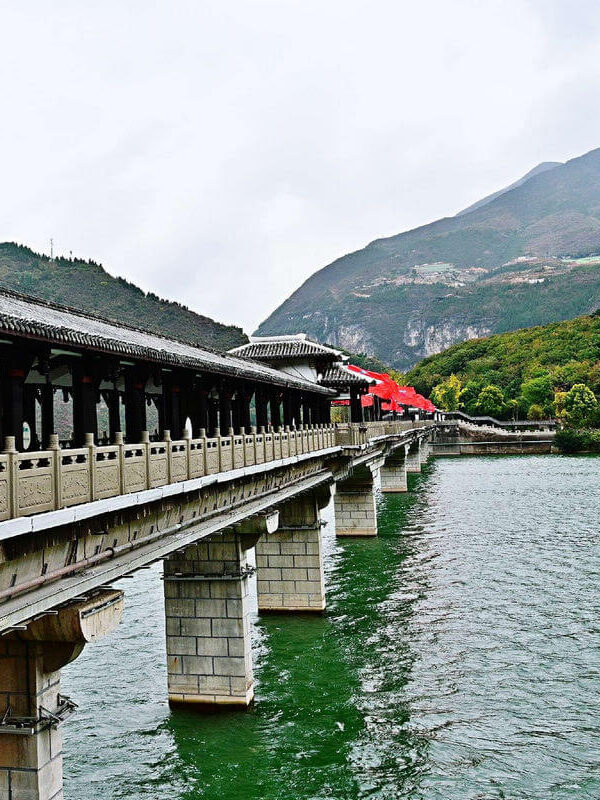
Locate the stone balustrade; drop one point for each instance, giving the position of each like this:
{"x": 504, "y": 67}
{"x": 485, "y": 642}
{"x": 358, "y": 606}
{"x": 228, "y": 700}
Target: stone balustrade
{"x": 32, "y": 483}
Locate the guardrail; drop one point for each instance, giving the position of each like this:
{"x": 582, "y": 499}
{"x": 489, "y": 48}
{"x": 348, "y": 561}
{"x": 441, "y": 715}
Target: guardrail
{"x": 31, "y": 483}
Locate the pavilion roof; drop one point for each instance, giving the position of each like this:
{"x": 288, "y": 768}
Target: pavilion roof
{"x": 31, "y": 318}
{"x": 338, "y": 375}
{"x": 283, "y": 348}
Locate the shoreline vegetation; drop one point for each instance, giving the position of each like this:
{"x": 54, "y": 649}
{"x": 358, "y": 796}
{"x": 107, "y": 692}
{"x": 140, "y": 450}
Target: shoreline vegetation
{"x": 533, "y": 373}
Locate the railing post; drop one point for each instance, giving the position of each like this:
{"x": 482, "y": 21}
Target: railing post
{"x": 167, "y": 440}
{"x": 54, "y": 446}
{"x": 202, "y": 435}
{"x": 118, "y": 441}
{"x": 187, "y": 437}
{"x": 91, "y": 448}
{"x": 145, "y": 443}
{"x": 13, "y": 474}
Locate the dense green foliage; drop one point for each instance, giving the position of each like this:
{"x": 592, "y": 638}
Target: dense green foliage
{"x": 570, "y": 440}
{"x": 552, "y": 370}
{"x": 85, "y": 285}
{"x": 511, "y": 263}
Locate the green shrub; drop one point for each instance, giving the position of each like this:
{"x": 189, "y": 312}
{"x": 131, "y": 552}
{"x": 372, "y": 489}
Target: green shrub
{"x": 569, "y": 440}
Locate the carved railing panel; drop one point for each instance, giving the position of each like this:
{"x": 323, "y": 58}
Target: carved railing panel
{"x": 31, "y": 483}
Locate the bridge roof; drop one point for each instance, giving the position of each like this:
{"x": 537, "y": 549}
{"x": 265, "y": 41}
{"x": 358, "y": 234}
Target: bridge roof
{"x": 338, "y": 375}
{"x": 283, "y": 348}
{"x": 59, "y": 325}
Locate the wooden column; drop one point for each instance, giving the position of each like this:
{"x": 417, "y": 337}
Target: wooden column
{"x": 262, "y": 411}
{"x": 356, "y": 412}
{"x": 225, "y": 418}
{"x": 275, "y": 400}
{"x": 85, "y": 418}
{"x": 12, "y": 404}
{"x": 245, "y": 400}
{"x": 288, "y": 414}
{"x": 306, "y": 410}
{"x": 135, "y": 403}
{"x": 47, "y": 394}
{"x": 172, "y": 405}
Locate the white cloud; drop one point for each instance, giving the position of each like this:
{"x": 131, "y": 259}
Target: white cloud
{"x": 219, "y": 153}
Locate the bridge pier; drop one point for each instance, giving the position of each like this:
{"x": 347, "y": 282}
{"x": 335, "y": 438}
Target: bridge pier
{"x": 355, "y": 504}
{"x": 209, "y": 656}
{"x": 425, "y": 450}
{"x": 31, "y": 705}
{"x": 290, "y": 561}
{"x": 393, "y": 472}
{"x": 413, "y": 457}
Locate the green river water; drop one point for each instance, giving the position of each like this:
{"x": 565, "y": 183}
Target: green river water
{"x": 459, "y": 659}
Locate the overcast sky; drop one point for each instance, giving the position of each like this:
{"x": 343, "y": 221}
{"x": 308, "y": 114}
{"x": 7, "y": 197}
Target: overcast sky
{"x": 218, "y": 153}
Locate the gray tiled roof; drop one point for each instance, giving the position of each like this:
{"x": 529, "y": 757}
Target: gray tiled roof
{"x": 338, "y": 375}
{"x": 283, "y": 349}
{"x": 28, "y": 317}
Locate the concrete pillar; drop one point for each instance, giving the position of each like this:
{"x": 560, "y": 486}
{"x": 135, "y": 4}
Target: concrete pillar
{"x": 413, "y": 457}
{"x": 355, "y": 507}
{"x": 30, "y": 764}
{"x": 425, "y": 450}
{"x": 290, "y": 561}
{"x": 393, "y": 472}
{"x": 31, "y": 706}
{"x": 209, "y": 657}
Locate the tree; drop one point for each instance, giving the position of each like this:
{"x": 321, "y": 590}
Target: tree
{"x": 559, "y": 404}
{"x": 535, "y": 411}
{"x": 446, "y": 395}
{"x": 512, "y": 408}
{"x": 490, "y": 401}
{"x": 538, "y": 390}
{"x": 468, "y": 396}
{"x": 580, "y": 406}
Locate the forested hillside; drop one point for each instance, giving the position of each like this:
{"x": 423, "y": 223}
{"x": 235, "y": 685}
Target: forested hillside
{"x": 522, "y": 373}
{"x": 87, "y": 286}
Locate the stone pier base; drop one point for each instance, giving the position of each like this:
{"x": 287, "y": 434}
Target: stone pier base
{"x": 30, "y": 765}
{"x": 413, "y": 457}
{"x": 355, "y": 506}
{"x": 393, "y": 473}
{"x": 425, "y": 451}
{"x": 31, "y": 705}
{"x": 209, "y": 657}
{"x": 290, "y": 561}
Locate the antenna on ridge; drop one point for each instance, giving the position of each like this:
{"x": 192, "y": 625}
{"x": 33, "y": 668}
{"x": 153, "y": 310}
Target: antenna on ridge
{"x": 51, "y": 249}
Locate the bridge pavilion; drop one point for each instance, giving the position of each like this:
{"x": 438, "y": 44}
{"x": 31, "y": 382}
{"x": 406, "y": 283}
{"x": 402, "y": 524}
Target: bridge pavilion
{"x": 297, "y": 355}
{"x": 72, "y": 374}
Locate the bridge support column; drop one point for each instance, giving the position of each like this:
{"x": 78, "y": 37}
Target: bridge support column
{"x": 31, "y": 706}
{"x": 209, "y": 657}
{"x": 393, "y": 472}
{"x": 355, "y": 506}
{"x": 290, "y": 561}
{"x": 413, "y": 457}
{"x": 425, "y": 450}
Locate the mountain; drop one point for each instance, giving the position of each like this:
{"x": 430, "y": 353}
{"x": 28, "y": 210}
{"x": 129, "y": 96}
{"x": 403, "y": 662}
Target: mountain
{"x": 545, "y": 358}
{"x": 528, "y": 257}
{"x": 87, "y": 286}
{"x": 543, "y": 167}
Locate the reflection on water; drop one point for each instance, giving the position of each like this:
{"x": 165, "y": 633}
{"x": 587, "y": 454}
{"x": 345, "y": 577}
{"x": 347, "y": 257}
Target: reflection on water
{"x": 458, "y": 660}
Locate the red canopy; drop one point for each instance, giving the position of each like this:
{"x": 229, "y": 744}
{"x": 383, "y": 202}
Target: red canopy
{"x": 393, "y": 397}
